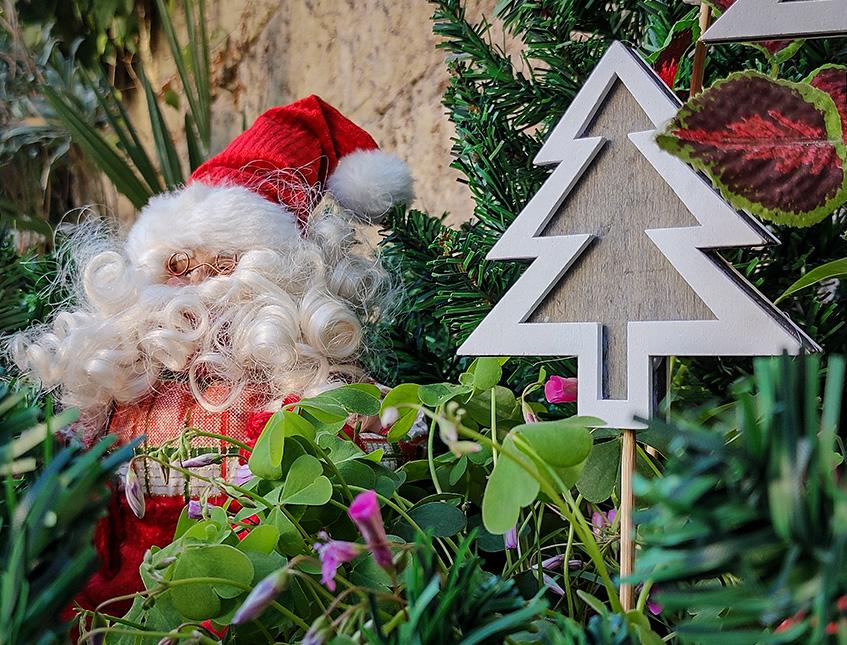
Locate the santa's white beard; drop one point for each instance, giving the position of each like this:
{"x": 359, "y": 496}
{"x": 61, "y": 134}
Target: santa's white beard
{"x": 282, "y": 319}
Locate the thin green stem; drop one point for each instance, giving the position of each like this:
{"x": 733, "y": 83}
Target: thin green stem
{"x": 203, "y": 639}
{"x": 566, "y": 566}
{"x": 222, "y": 437}
{"x": 332, "y": 467}
{"x": 430, "y": 451}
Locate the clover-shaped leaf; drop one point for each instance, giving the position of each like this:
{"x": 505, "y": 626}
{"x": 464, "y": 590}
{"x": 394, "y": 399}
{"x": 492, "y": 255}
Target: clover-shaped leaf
{"x": 305, "y": 483}
{"x": 200, "y": 601}
{"x": 563, "y": 446}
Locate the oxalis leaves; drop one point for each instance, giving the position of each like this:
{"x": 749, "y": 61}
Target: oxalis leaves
{"x": 774, "y": 147}
{"x": 564, "y": 445}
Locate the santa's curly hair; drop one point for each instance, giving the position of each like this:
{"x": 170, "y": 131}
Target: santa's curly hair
{"x": 289, "y": 313}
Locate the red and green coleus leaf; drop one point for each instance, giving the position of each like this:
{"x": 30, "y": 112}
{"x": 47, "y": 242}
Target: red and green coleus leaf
{"x": 667, "y": 58}
{"x": 771, "y": 146}
{"x": 778, "y": 51}
{"x": 832, "y": 79}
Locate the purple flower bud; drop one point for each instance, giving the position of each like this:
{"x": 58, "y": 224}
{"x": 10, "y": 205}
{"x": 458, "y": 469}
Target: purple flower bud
{"x": 601, "y": 520}
{"x": 133, "y": 492}
{"x": 243, "y": 474}
{"x": 552, "y": 585}
{"x": 195, "y": 510}
{"x": 318, "y": 632}
{"x": 206, "y": 459}
{"x": 261, "y": 597}
{"x": 529, "y": 415}
{"x": 334, "y": 553}
{"x": 510, "y": 538}
{"x": 313, "y": 637}
{"x": 553, "y": 562}
{"x": 365, "y": 514}
{"x": 167, "y": 640}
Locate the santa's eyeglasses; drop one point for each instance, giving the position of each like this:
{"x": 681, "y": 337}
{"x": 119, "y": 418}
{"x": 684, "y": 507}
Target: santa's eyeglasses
{"x": 181, "y": 264}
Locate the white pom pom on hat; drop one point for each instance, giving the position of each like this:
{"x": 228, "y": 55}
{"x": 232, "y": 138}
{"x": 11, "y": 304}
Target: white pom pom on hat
{"x": 371, "y": 182}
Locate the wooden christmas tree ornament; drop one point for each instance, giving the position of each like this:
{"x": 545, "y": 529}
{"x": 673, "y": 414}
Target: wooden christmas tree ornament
{"x": 751, "y": 20}
{"x": 622, "y": 238}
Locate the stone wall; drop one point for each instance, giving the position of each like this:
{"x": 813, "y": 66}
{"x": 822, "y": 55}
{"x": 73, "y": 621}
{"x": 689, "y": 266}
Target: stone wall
{"x": 375, "y": 60}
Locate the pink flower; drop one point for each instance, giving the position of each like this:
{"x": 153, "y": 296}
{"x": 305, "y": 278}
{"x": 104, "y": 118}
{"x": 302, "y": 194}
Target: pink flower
{"x": 652, "y": 606}
{"x": 559, "y": 389}
{"x": 334, "y": 553}
{"x": 365, "y": 514}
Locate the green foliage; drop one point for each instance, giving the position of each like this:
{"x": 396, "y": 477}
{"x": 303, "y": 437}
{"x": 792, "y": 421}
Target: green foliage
{"x": 439, "y": 587}
{"x": 466, "y": 605}
{"x": 24, "y": 282}
{"x": 724, "y": 133}
{"x": 47, "y": 518}
{"x": 837, "y": 269}
{"x": 35, "y": 152}
{"x": 109, "y": 28}
{"x": 747, "y": 527}
{"x": 564, "y": 446}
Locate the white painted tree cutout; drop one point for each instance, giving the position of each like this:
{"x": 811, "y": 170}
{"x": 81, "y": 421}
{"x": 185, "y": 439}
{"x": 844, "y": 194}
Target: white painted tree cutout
{"x": 619, "y": 237}
{"x": 752, "y": 20}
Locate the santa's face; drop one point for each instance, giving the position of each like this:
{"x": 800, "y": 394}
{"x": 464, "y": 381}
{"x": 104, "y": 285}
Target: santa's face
{"x": 188, "y": 299}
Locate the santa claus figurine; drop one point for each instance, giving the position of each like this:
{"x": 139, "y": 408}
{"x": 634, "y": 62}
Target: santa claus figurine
{"x": 241, "y": 291}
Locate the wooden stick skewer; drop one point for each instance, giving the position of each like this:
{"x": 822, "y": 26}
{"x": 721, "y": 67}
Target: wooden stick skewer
{"x": 627, "y": 554}
{"x": 699, "y": 66}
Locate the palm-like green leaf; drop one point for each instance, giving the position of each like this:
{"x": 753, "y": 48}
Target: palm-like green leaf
{"x": 47, "y": 519}
{"x": 748, "y": 527}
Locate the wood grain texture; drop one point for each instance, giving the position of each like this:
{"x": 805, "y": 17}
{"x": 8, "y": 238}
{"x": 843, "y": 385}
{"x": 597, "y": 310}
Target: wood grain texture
{"x": 622, "y": 276}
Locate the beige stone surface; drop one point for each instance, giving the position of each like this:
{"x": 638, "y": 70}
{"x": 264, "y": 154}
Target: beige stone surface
{"x": 375, "y": 60}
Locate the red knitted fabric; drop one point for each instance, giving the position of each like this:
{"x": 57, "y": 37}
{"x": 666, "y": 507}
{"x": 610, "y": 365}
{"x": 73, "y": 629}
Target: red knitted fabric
{"x": 121, "y": 540}
{"x": 300, "y": 143}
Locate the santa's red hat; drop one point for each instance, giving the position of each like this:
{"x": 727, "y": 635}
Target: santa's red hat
{"x": 292, "y": 150}
{"x": 258, "y": 191}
